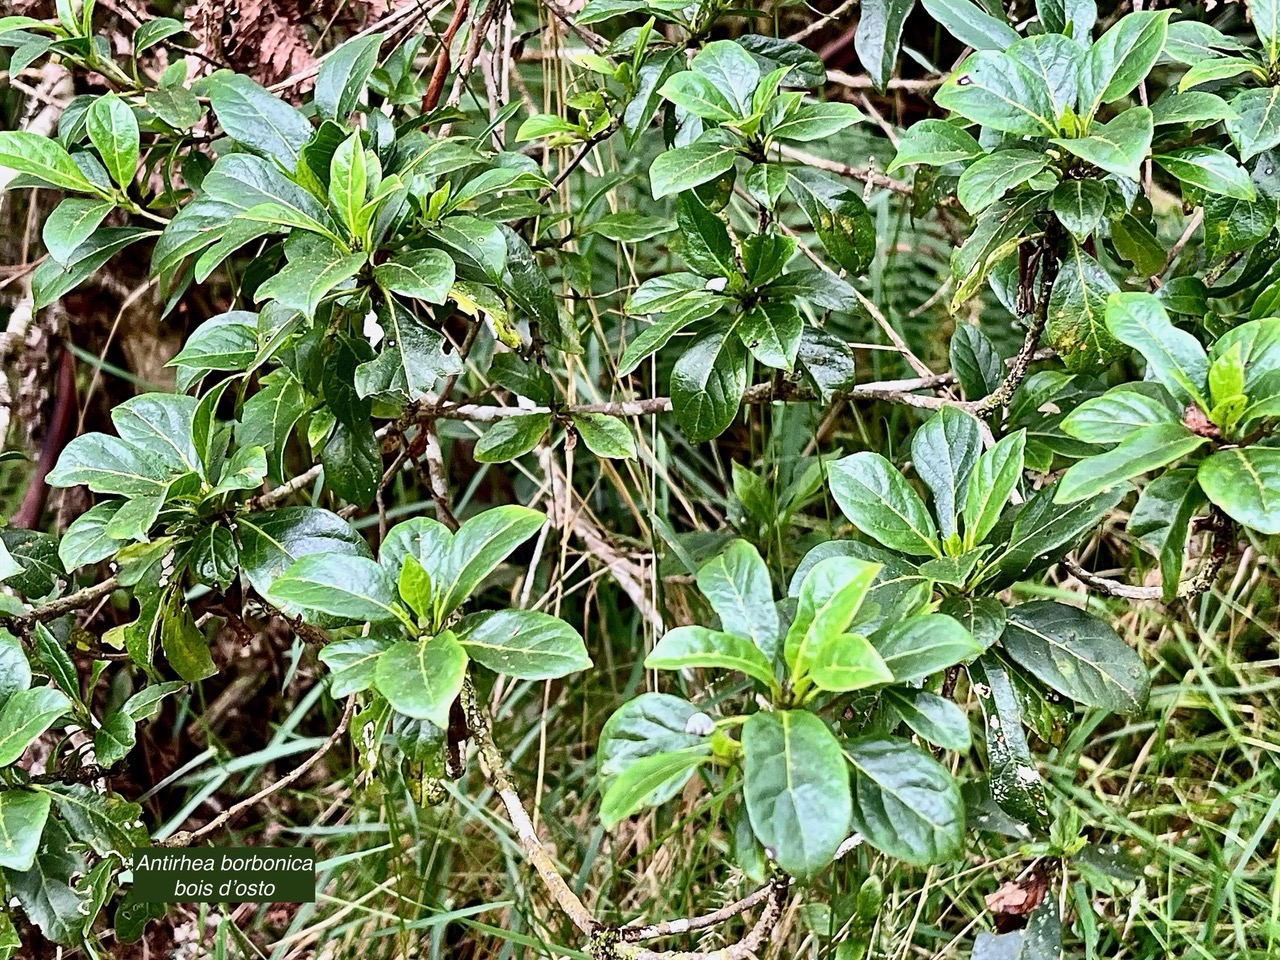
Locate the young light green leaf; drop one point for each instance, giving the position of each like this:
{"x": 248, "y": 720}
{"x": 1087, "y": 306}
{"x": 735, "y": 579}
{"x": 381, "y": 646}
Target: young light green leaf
{"x": 646, "y": 782}
{"x": 477, "y": 548}
{"x": 830, "y": 598}
{"x": 1118, "y": 413}
{"x": 843, "y": 662}
{"x": 1142, "y": 452}
{"x": 44, "y": 159}
{"x": 1174, "y": 357}
{"x": 991, "y": 483}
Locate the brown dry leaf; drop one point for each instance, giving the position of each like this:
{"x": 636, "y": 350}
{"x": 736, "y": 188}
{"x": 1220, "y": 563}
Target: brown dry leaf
{"x": 1015, "y": 899}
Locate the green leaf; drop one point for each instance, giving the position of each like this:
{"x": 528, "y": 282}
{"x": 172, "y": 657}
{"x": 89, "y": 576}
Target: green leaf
{"x": 301, "y": 284}
{"x": 904, "y": 802}
{"x": 15, "y": 671}
{"x": 25, "y": 715}
{"x": 525, "y": 644}
{"x": 699, "y": 96}
{"x": 109, "y": 825}
{"x": 411, "y": 360}
{"x": 707, "y": 247}
{"x": 350, "y": 588}
{"x": 352, "y": 663}
{"x": 184, "y": 646}
{"x": 732, "y": 70}
{"x": 1254, "y": 125}
{"x": 1117, "y": 147}
{"x": 214, "y": 557}
{"x": 605, "y": 436}
{"x": 344, "y": 71}
{"x": 796, "y": 787}
{"x": 419, "y": 274}
{"x": 87, "y": 540}
{"x": 1161, "y": 520}
{"x": 1265, "y": 15}
{"x": 144, "y": 704}
{"x": 736, "y": 582}
{"x": 477, "y": 548}
{"x": 421, "y": 679}
{"x": 685, "y": 167}
{"x": 971, "y": 25}
{"x": 1077, "y": 655}
{"x": 698, "y": 647}
{"x": 878, "y": 501}
{"x": 1079, "y": 206}
{"x": 1212, "y": 171}
{"x": 772, "y": 332}
{"x": 936, "y": 143}
{"x": 878, "y": 37}
{"x": 228, "y": 341}
{"x": 1245, "y": 484}
{"x": 987, "y": 180}
{"x": 807, "y": 122}
{"x": 349, "y": 183}
{"x": 1136, "y": 242}
{"x": 1058, "y": 60}
{"x": 1016, "y": 785}
{"x": 251, "y": 116}
{"x": 991, "y": 483}
{"x": 1119, "y": 413}
{"x": 160, "y": 425}
{"x": 1142, "y": 452}
{"x": 1174, "y": 357}
{"x": 512, "y": 437}
{"x": 1043, "y": 529}
{"x": 176, "y": 106}
{"x": 830, "y": 597}
{"x": 114, "y": 131}
{"x": 115, "y": 738}
{"x": 44, "y": 159}
{"x": 707, "y": 384}
{"x": 1077, "y": 326}
{"x": 651, "y": 724}
{"x": 109, "y": 465}
{"x": 645, "y": 783}
{"x": 997, "y": 91}
{"x": 1219, "y": 68}
{"x": 352, "y": 461}
{"x": 414, "y": 585}
{"x": 944, "y": 452}
{"x": 22, "y": 817}
{"x": 977, "y": 365}
{"x": 1121, "y": 58}
{"x": 843, "y": 662}
{"x": 629, "y": 226}
{"x": 45, "y": 891}
{"x": 838, "y": 215}
{"x": 268, "y": 418}
{"x": 939, "y": 721}
{"x": 1194, "y": 109}
{"x": 72, "y": 222}
{"x": 914, "y": 648}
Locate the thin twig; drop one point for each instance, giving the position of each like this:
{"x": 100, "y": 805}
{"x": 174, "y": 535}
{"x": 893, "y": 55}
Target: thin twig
{"x": 667, "y": 928}
{"x": 184, "y": 838}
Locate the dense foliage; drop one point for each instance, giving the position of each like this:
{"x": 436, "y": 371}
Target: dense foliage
{"x": 869, "y": 556}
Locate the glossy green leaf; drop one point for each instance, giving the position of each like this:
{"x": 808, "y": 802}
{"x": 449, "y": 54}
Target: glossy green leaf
{"x": 796, "y": 786}
{"x": 707, "y": 384}
{"x": 22, "y": 817}
{"x": 354, "y": 589}
{"x": 914, "y": 648}
{"x": 1118, "y": 413}
{"x": 936, "y": 143}
{"x": 938, "y": 721}
{"x": 1161, "y": 521}
{"x": 1016, "y": 785}
{"x": 879, "y": 35}
{"x": 878, "y": 501}
{"x": 698, "y": 647}
{"x": 605, "y": 436}
{"x": 991, "y": 483}
{"x": 1076, "y": 654}
{"x": 512, "y": 437}
{"x": 1118, "y": 146}
{"x": 905, "y": 803}
{"x": 251, "y": 116}
{"x": 1174, "y": 357}
{"x": 422, "y": 678}
{"x": 114, "y": 131}
{"x": 738, "y": 586}
{"x": 993, "y": 89}
{"x": 1142, "y": 452}
{"x": 1121, "y": 58}
{"x": 944, "y": 451}
{"x": 44, "y": 159}
{"x": 1245, "y": 484}
{"x": 990, "y": 178}
{"x": 686, "y": 167}
{"x": 525, "y": 644}
{"x": 25, "y": 715}
{"x": 344, "y": 71}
